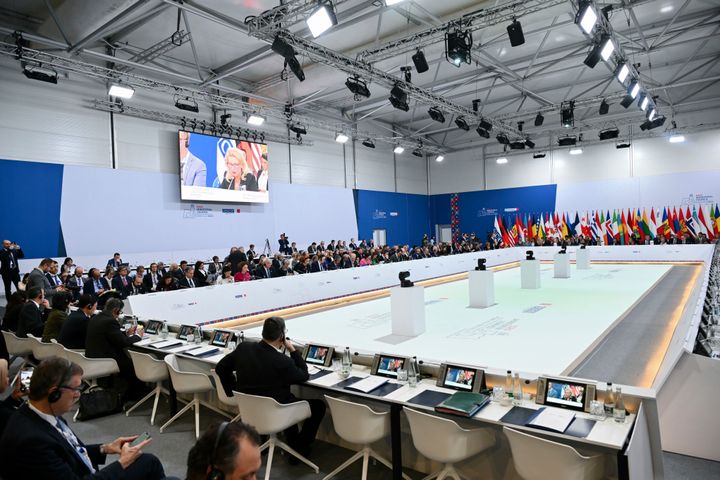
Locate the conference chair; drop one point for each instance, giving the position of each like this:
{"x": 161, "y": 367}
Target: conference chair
{"x": 93, "y": 368}
{"x": 42, "y": 350}
{"x": 18, "y": 348}
{"x": 359, "y": 424}
{"x": 444, "y": 441}
{"x": 269, "y": 418}
{"x": 185, "y": 380}
{"x": 223, "y": 397}
{"x": 533, "y": 456}
{"x": 151, "y": 370}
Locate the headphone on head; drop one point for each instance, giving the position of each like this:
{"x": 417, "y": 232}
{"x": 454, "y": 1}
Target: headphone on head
{"x": 215, "y": 473}
{"x": 55, "y": 395}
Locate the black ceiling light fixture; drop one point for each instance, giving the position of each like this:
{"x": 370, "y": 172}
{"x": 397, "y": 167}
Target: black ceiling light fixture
{"x": 358, "y": 87}
{"x": 650, "y": 124}
{"x": 502, "y": 138}
{"x": 627, "y": 101}
{"x": 529, "y": 143}
{"x": 517, "y": 145}
{"x": 40, "y": 73}
{"x": 568, "y": 140}
{"x": 436, "y": 114}
{"x": 368, "y": 143}
{"x": 539, "y": 119}
{"x": 609, "y": 133}
{"x": 482, "y": 132}
{"x": 485, "y": 125}
{"x": 398, "y": 98}
{"x": 604, "y": 107}
{"x": 420, "y": 62}
{"x": 515, "y": 33}
{"x": 285, "y": 50}
{"x": 186, "y": 103}
{"x": 539, "y": 155}
{"x": 567, "y": 114}
{"x": 457, "y": 46}
{"x": 462, "y": 123}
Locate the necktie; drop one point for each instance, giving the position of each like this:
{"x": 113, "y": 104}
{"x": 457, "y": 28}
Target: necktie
{"x": 12, "y": 261}
{"x": 73, "y": 441}
{"x": 98, "y": 287}
{"x": 192, "y": 284}
{"x": 124, "y": 281}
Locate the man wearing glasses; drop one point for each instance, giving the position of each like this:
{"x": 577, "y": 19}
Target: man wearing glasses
{"x": 38, "y": 443}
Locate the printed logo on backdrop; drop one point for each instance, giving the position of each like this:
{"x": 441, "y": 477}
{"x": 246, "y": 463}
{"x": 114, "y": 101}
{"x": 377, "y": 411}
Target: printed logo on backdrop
{"x": 695, "y": 198}
{"x": 229, "y": 210}
{"x": 379, "y": 214}
{"x": 394, "y": 214}
{"x": 511, "y": 209}
{"x": 197, "y": 211}
{"x": 487, "y": 212}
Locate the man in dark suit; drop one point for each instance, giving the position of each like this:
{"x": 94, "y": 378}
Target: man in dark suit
{"x": 105, "y": 340}
{"x": 315, "y": 265}
{"x": 188, "y": 281}
{"x": 260, "y": 368}
{"x": 96, "y": 284}
{"x": 115, "y": 262}
{"x": 38, "y": 443}
{"x": 76, "y": 283}
{"x": 251, "y": 252}
{"x": 31, "y": 314}
{"x": 122, "y": 282}
{"x": 284, "y": 244}
{"x": 74, "y": 328}
{"x": 152, "y": 278}
{"x": 264, "y": 270}
{"x": 9, "y": 269}
{"x": 37, "y": 278}
{"x": 53, "y": 277}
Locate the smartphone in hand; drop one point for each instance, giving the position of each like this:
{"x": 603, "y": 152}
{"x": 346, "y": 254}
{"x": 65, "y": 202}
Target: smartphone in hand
{"x": 141, "y": 438}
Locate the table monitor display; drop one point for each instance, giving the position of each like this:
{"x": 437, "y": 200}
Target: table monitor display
{"x": 221, "y": 338}
{"x": 153, "y": 326}
{"x": 318, "y": 354}
{"x": 563, "y": 393}
{"x": 460, "y": 377}
{"x": 387, "y": 365}
{"x": 186, "y": 330}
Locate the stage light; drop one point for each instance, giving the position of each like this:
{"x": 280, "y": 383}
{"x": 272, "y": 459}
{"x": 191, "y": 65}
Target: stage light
{"x": 567, "y": 141}
{"x": 482, "y": 132}
{"x": 457, "y": 47}
{"x": 517, "y": 145}
{"x": 676, "y": 138}
{"x": 576, "y": 151}
{"x": 407, "y": 73}
{"x": 501, "y": 161}
{"x": 604, "y": 107}
{"x": 529, "y": 143}
{"x": 627, "y": 101}
{"x": 255, "y": 119}
{"x": 476, "y": 105}
{"x": 398, "y": 98}
{"x": 295, "y": 68}
{"x": 358, "y": 87}
{"x": 644, "y": 101}
{"x": 622, "y": 144}
{"x": 462, "y": 123}
{"x": 298, "y": 129}
{"x": 539, "y": 155}
{"x": 321, "y": 19}
{"x": 399, "y": 104}
{"x": 485, "y": 125}
{"x": 607, "y": 48}
{"x": 224, "y": 118}
{"x": 439, "y": 158}
{"x": 341, "y": 138}
{"x": 282, "y": 48}
{"x": 368, "y": 143}
{"x": 187, "y": 104}
{"x": 121, "y": 91}
{"x": 436, "y": 114}
{"x": 567, "y": 114}
{"x": 650, "y": 124}
{"x": 502, "y": 138}
{"x": 593, "y": 56}
{"x": 609, "y": 133}
{"x": 420, "y": 62}
{"x": 539, "y": 119}
{"x": 36, "y": 72}
{"x": 621, "y": 72}
{"x": 418, "y": 153}
{"x": 634, "y": 88}
{"x": 398, "y": 149}
{"x": 586, "y": 16}
{"x": 515, "y": 33}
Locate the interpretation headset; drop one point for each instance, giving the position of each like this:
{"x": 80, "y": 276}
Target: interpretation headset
{"x": 215, "y": 473}
{"x": 55, "y": 395}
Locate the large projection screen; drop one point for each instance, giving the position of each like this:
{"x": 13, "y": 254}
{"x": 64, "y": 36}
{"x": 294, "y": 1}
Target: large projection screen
{"x": 218, "y": 169}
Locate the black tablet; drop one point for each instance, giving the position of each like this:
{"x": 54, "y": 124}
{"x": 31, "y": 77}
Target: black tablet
{"x": 186, "y": 330}
{"x": 221, "y": 338}
{"x": 460, "y": 377}
{"x": 564, "y": 393}
{"x": 387, "y": 365}
{"x": 318, "y": 354}
{"x": 153, "y": 326}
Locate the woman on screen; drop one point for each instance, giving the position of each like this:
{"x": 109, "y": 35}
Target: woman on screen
{"x": 237, "y": 175}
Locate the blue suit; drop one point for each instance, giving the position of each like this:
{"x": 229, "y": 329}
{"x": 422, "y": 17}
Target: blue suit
{"x": 195, "y": 172}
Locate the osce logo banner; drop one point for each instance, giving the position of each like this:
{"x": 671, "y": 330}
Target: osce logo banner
{"x": 487, "y": 212}
{"x": 197, "y": 211}
{"x": 695, "y": 198}
{"x": 379, "y": 214}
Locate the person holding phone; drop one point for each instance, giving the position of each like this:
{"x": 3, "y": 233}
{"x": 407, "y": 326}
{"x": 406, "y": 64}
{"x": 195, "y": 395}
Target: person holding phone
{"x": 38, "y": 442}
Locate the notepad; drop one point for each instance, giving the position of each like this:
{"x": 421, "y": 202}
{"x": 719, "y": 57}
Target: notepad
{"x": 554, "y": 419}
{"x": 144, "y": 341}
{"x": 199, "y": 352}
{"x": 465, "y": 404}
{"x": 367, "y": 384}
{"x": 165, "y": 343}
{"x": 182, "y": 348}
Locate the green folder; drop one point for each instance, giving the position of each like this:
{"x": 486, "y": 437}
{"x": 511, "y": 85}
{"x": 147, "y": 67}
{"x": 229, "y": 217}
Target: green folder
{"x": 465, "y": 404}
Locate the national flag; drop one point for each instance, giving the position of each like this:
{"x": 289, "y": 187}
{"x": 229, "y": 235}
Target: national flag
{"x": 716, "y": 225}
{"x": 638, "y": 225}
{"x": 625, "y": 230}
{"x": 654, "y": 229}
{"x": 497, "y": 232}
{"x": 676, "y": 223}
{"x": 607, "y": 228}
{"x": 503, "y": 233}
{"x": 646, "y": 228}
{"x": 690, "y": 223}
{"x": 664, "y": 228}
{"x": 575, "y": 225}
{"x": 521, "y": 229}
{"x": 681, "y": 218}
{"x": 541, "y": 228}
{"x": 563, "y": 226}
{"x": 701, "y": 219}
{"x": 532, "y": 229}
{"x": 585, "y": 225}
{"x": 549, "y": 229}
{"x": 557, "y": 225}
{"x": 596, "y": 227}
{"x": 253, "y": 153}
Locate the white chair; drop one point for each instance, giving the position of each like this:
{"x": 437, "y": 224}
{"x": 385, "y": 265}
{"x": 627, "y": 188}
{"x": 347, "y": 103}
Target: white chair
{"x": 186, "y": 381}
{"x": 444, "y": 441}
{"x": 534, "y": 457}
{"x": 151, "y": 370}
{"x": 93, "y": 368}
{"x": 357, "y": 423}
{"x": 269, "y": 418}
{"x": 222, "y": 396}
{"x": 42, "y": 350}
{"x": 18, "y": 348}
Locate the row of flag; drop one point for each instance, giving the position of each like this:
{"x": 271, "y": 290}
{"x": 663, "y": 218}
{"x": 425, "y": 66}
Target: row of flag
{"x": 615, "y": 228}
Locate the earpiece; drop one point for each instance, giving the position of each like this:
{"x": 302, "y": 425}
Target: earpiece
{"x": 55, "y": 395}
{"x": 215, "y": 473}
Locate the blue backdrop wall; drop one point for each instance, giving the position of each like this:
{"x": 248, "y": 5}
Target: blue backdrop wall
{"x": 405, "y": 216}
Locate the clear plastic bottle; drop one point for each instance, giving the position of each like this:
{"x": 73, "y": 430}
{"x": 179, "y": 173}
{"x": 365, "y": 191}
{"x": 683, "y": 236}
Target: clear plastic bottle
{"x": 609, "y": 399}
{"x": 619, "y": 410}
{"x": 517, "y": 390}
{"x": 164, "y": 331}
{"x": 508, "y": 383}
{"x": 346, "y": 362}
{"x": 198, "y": 334}
{"x": 412, "y": 373}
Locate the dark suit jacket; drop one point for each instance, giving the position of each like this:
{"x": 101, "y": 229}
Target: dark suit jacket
{"x": 200, "y": 278}
{"x": 74, "y": 330}
{"x": 54, "y": 280}
{"x": 37, "y": 278}
{"x": 260, "y": 272}
{"x": 90, "y": 286}
{"x": 105, "y": 340}
{"x": 185, "y": 283}
{"x": 72, "y": 286}
{"x": 315, "y": 267}
{"x": 32, "y": 448}
{"x": 6, "y": 258}
{"x": 262, "y": 370}
{"x": 30, "y": 321}
{"x": 123, "y": 290}
{"x": 147, "y": 280}
{"x": 7, "y": 408}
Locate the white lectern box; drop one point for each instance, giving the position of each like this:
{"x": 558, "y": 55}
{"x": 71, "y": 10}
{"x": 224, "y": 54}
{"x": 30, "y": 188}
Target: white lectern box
{"x": 407, "y": 309}
{"x": 562, "y": 265}
{"x": 530, "y": 273}
{"x": 582, "y": 260}
{"x": 482, "y": 288}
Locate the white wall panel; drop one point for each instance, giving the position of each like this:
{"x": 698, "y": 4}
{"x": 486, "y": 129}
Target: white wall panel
{"x": 146, "y": 145}
{"x": 374, "y": 168}
{"x": 606, "y": 195}
{"x": 597, "y": 162}
{"x": 319, "y": 164}
{"x": 656, "y": 156}
{"x": 43, "y": 122}
{"x": 411, "y": 174}
{"x": 279, "y": 162}
{"x": 459, "y": 172}
{"x": 520, "y": 171}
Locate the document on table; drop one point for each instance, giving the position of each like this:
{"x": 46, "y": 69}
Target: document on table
{"x": 165, "y": 343}
{"x": 554, "y": 419}
{"x": 367, "y": 384}
{"x": 198, "y": 352}
{"x": 182, "y": 348}
{"x": 145, "y": 341}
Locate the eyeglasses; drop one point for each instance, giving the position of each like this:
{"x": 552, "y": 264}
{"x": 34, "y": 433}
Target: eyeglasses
{"x": 78, "y": 389}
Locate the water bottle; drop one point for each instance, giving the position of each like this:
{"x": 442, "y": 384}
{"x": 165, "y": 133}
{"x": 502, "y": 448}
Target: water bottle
{"x": 164, "y": 331}
{"x": 508, "y": 383}
{"x": 619, "y": 410}
{"x": 412, "y": 373}
{"x": 198, "y": 335}
{"x": 416, "y": 364}
{"x": 609, "y": 399}
{"x": 517, "y": 390}
{"x": 346, "y": 362}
